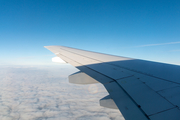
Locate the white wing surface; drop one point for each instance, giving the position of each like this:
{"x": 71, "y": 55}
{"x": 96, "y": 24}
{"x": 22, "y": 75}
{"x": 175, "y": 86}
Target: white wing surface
{"x": 141, "y": 90}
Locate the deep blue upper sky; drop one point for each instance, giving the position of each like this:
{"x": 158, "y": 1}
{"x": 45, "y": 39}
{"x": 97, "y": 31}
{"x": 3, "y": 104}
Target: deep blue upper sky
{"x": 145, "y": 29}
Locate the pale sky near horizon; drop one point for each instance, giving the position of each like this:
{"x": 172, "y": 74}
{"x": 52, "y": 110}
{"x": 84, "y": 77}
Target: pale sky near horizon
{"x": 132, "y": 28}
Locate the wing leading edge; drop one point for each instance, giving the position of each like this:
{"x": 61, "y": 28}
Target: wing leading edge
{"x": 140, "y": 89}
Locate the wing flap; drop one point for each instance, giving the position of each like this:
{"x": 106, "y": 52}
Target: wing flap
{"x": 172, "y": 95}
{"x": 159, "y": 85}
{"x": 172, "y": 114}
{"x": 145, "y": 97}
{"x": 126, "y": 105}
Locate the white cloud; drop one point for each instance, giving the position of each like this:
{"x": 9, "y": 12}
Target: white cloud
{"x": 158, "y": 44}
{"x": 175, "y": 50}
{"x": 44, "y": 93}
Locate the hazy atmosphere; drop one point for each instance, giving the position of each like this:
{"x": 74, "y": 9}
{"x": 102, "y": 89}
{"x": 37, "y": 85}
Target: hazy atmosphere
{"x": 43, "y": 93}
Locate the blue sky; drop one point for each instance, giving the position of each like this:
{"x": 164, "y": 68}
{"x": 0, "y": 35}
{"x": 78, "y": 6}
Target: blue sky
{"x": 141, "y": 29}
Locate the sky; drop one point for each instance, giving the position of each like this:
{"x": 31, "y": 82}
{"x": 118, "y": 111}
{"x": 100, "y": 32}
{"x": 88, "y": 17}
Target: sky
{"x": 34, "y": 87}
{"x": 132, "y": 28}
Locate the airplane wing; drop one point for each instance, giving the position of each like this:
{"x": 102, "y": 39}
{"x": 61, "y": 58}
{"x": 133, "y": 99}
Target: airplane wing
{"x": 141, "y": 90}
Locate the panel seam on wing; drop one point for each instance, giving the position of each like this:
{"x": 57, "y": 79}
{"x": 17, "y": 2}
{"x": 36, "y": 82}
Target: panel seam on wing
{"x": 163, "y": 111}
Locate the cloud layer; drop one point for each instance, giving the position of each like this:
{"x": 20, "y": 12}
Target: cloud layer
{"x": 37, "y": 93}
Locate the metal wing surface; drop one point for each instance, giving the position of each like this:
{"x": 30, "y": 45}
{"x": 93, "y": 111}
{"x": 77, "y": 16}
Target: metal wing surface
{"x": 140, "y": 89}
